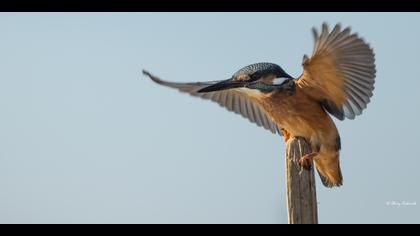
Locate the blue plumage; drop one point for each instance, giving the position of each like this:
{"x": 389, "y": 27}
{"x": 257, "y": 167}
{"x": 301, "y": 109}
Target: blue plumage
{"x": 257, "y": 70}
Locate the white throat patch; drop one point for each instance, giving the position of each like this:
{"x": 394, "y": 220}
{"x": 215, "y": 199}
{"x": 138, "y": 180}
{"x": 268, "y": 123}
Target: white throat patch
{"x": 278, "y": 81}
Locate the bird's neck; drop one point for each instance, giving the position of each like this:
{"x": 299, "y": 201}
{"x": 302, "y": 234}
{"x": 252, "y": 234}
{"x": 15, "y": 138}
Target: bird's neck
{"x": 289, "y": 87}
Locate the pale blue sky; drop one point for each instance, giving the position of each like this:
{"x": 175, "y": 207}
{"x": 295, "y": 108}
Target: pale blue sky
{"x": 85, "y": 138}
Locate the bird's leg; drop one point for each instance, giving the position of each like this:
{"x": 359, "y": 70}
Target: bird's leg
{"x": 286, "y": 135}
{"x": 306, "y": 160}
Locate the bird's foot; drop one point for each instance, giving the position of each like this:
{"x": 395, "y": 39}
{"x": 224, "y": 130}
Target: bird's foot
{"x": 286, "y": 135}
{"x": 306, "y": 160}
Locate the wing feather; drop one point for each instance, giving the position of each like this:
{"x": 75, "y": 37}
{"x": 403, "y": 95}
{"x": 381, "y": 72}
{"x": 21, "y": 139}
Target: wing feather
{"x": 341, "y": 72}
{"x": 232, "y": 99}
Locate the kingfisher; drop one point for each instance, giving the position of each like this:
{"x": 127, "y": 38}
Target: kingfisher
{"x": 337, "y": 80}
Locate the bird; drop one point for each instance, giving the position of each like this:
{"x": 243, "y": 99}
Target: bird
{"x": 337, "y": 81}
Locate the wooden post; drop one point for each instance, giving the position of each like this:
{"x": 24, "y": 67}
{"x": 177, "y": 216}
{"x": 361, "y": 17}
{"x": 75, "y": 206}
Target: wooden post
{"x": 300, "y": 184}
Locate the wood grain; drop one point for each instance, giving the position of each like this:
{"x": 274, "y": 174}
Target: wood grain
{"x": 300, "y": 184}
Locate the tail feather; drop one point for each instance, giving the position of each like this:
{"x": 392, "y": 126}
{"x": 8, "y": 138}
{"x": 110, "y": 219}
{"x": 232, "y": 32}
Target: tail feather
{"x": 329, "y": 183}
{"x": 328, "y": 167}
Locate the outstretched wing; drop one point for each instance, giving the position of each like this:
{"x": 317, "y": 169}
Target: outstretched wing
{"x": 232, "y": 99}
{"x": 341, "y": 72}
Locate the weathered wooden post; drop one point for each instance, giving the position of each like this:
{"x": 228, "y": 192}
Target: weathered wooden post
{"x": 300, "y": 184}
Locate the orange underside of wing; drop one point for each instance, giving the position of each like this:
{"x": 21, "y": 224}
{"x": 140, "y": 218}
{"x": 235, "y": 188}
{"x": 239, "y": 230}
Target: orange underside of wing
{"x": 322, "y": 80}
{"x": 299, "y": 115}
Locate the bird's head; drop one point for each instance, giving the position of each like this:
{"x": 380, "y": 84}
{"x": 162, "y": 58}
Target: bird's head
{"x": 265, "y": 77}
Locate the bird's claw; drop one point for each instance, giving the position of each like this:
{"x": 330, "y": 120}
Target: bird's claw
{"x": 286, "y": 135}
{"x": 306, "y": 161}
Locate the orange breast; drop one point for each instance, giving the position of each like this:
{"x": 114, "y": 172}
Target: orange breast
{"x": 300, "y": 115}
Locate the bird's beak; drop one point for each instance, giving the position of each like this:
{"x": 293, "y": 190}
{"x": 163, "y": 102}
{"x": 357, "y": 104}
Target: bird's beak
{"x": 222, "y": 85}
